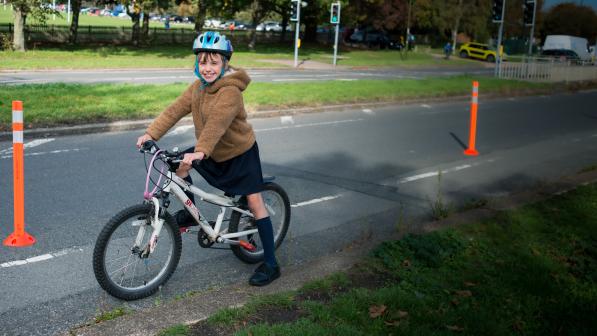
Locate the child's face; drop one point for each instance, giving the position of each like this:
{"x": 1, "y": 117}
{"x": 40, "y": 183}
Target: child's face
{"x": 210, "y": 66}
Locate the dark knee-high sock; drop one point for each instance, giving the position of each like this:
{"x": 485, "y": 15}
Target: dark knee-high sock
{"x": 266, "y": 233}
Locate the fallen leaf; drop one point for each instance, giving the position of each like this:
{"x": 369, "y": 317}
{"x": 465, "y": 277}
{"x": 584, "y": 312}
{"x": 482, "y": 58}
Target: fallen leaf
{"x": 376, "y": 311}
{"x": 469, "y": 284}
{"x": 392, "y": 323}
{"x": 455, "y": 302}
{"x": 406, "y": 263}
{"x": 455, "y": 328}
{"x": 402, "y": 314}
{"x": 464, "y": 293}
{"x": 535, "y": 251}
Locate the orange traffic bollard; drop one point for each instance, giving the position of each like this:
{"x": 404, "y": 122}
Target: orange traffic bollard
{"x": 473, "y": 129}
{"x": 19, "y": 237}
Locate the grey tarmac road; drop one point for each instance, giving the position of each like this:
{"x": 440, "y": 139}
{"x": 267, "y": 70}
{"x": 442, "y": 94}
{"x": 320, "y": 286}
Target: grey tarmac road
{"x": 161, "y": 76}
{"x": 346, "y": 173}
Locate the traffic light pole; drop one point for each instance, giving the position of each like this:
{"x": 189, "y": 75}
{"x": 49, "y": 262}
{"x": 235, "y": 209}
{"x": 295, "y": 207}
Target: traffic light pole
{"x": 336, "y": 45}
{"x": 296, "y": 34}
{"x": 532, "y": 29}
{"x": 498, "y": 59}
{"x": 335, "y": 20}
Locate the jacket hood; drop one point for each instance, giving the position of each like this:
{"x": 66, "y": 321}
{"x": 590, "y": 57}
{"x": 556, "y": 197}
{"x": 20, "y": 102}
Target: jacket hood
{"x": 232, "y": 77}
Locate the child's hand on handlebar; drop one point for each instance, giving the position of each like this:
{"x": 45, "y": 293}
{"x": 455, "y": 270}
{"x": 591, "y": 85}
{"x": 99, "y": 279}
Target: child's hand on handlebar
{"x": 142, "y": 139}
{"x": 190, "y": 157}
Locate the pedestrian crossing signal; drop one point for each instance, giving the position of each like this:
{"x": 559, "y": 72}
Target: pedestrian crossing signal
{"x": 294, "y": 16}
{"x": 529, "y": 8}
{"x": 335, "y": 13}
{"x": 497, "y": 10}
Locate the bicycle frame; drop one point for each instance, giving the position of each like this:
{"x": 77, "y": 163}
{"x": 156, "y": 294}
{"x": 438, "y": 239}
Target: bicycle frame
{"x": 178, "y": 186}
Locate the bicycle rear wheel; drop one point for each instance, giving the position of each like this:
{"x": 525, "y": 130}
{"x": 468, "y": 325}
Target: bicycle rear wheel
{"x": 278, "y": 206}
{"x": 121, "y": 267}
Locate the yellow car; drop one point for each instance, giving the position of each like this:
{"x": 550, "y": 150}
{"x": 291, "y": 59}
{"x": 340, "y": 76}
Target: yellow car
{"x": 479, "y": 51}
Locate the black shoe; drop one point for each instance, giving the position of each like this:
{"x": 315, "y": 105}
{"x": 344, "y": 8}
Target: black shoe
{"x": 184, "y": 219}
{"x": 264, "y": 274}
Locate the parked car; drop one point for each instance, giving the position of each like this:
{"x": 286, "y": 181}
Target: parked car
{"x": 578, "y": 45}
{"x": 479, "y": 51}
{"x": 375, "y": 39}
{"x": 269, "y": 26}
{"x": 238, "y": 25}
{"x": 212, "y": 23}
{"x": 561, "y": 55}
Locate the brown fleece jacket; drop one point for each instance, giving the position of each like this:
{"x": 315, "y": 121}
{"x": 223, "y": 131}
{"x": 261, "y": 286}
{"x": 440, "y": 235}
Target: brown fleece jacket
{"x": 219, "y": 115}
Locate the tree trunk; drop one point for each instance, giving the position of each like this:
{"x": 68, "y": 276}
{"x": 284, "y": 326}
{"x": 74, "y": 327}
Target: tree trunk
{"x": 20, "y": 17}
{"x": 257, "y": 16}
{"x": 74, "y": 25}
{"x": 285, "y": 24}
{"x": 145, "y": 29}
{"x": 135, "y": 18}
{"x": 200, "y": 17}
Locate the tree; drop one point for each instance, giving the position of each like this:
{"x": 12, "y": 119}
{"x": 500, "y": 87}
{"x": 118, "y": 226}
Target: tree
{"x": 38, "y": 9}
{"x": 570, "y": 19}
{"x": 74, "y": 24}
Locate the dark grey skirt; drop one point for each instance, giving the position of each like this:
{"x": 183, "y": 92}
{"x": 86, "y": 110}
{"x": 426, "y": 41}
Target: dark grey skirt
{"x": 240, "y": 175}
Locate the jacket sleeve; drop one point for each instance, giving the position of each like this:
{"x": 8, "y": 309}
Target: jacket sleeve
{"x": 172, "y": 114}
{"x": 224, "y": 112}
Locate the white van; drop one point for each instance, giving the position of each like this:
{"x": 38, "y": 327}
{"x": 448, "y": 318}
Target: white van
{"x": 566, "y": 42}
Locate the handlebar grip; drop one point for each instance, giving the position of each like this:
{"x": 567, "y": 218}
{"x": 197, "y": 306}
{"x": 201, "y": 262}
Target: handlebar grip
{"x": 148, "y": 145}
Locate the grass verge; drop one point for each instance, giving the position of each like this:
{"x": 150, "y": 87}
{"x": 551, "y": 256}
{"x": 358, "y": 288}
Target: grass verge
{"x": 68, "y": 104}
{"x": 531, "y": 271}
{"x": 176, "y": 56}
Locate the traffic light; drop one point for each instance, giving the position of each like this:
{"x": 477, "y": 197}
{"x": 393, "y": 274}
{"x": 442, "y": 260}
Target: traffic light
{"x": 529, "y": 8}
{"x": 335, "y": 13}
{"x": 496, "y": 10}
{"x": 294, "y": 16}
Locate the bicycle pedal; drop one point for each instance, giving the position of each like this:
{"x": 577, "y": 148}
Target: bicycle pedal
{"x": 247, "y": 246}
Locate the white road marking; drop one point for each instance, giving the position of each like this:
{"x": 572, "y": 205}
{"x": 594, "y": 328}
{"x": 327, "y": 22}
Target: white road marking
{"x": 30, "y": 144}
{"x": 287, "y": 120}
{"x": 42, "y": 257}
{"x": 368, "y": 111}
{"x": 308, "y": 125}
{"x": 435, "y": 173}
{"x": 180, "y": 130}
{"x": 45, "y": 153}
{"x": 347, "y": 79}
{"x": 316, "y": 200}
{"x": 426, "y": 106}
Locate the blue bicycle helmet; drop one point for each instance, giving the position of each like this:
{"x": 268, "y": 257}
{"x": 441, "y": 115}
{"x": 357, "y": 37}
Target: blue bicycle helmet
{"x": 211, "y": 41}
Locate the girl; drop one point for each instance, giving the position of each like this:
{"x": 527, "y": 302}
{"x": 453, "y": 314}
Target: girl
{"x": 226, "y": 146}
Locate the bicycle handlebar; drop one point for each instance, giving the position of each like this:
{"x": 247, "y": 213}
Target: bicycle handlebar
{"x": 151, "y": 147}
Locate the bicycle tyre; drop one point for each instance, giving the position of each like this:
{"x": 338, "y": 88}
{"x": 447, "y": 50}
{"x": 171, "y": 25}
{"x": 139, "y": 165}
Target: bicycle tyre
{"x": 111, "y": 234}
{"x": 280, "y": 223}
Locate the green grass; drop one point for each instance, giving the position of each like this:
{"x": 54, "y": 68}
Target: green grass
{"x": 176, "y": 56}
{"x": 59, "y": 104}
{"x": 230, "y": 315}
{"x": 526, "y": 272}
{"x": 177, "y": 330}
{"x": 112, "y": 314}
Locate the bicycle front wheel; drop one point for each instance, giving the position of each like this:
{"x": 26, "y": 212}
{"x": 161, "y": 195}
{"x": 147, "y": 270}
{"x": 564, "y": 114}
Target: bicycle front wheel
{"x": 278, "y": 206}
{"x": 124, "y": 268}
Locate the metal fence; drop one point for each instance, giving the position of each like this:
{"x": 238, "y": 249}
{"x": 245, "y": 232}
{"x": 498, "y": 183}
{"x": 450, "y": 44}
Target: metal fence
{"x": 548, "y": 70}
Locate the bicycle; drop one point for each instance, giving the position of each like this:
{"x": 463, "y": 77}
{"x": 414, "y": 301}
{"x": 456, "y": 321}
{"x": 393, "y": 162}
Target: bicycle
{"x": 130, "y": 238}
